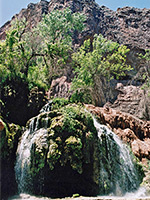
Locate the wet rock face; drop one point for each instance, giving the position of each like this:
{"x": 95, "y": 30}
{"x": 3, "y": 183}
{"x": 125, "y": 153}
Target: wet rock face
{"x": 65, "y": 151}
{"x": 129, "y": 128}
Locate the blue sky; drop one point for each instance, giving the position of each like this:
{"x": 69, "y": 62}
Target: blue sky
{"x": 8, "y": 8}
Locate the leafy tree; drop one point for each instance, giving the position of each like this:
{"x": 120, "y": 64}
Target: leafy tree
{"x": 35, "y": 55}
{"x": 56, "y": 31}
{"x": 17, "y": 53}
{"x": 94, "y": 61}
{"x": 31, "y": 58}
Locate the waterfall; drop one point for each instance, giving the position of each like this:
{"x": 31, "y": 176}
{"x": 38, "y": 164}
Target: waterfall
{"x": 117, "y": 171}
{"x": 22, "y": 168}
{"x": 117, "y": 174}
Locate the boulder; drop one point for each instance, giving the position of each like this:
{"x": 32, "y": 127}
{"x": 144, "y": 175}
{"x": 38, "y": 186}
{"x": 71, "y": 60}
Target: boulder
{"x": 60, "y": 87}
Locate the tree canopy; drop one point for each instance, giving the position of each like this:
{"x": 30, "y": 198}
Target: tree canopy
{"x": 96, "y": 60}
{"x": 35, "y": 55}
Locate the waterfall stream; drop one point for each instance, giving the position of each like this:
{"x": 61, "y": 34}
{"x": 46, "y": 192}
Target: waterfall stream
{"x": 117, "y": 172}
{"x": 23, "y": 160}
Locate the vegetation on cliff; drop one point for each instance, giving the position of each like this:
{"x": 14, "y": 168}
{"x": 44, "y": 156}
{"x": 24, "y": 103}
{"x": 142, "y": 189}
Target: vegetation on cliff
{"x": 96, "y": 61}
{"x": 63, "y": 150}
{"x": 34, "y": 58}
{"x": 29, "y": 59}
{"x": 62, "y": 146}
{"x": 145, "y": 62}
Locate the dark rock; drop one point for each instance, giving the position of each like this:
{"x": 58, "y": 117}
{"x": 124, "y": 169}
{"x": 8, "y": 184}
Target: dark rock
{"x": 127, "y": 25}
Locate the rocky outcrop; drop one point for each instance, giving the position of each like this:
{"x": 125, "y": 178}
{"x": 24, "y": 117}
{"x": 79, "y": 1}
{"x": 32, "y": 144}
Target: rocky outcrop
{"x": 127, "y": 25}
{"x": 60, "y": 87}
{"x": 9, "y": 138}
{"x": 33, "y": 14}
{"x": 132, "y": 100}
{"x": 129, "y": 128}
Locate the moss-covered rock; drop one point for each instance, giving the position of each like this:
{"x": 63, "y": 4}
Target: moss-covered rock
{"x": 61, "y": 153}
{"x": 8, "y": 144}
{"x": 63, "y": 150}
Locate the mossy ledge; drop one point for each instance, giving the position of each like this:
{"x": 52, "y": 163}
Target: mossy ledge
{"x": 64, "y": 152}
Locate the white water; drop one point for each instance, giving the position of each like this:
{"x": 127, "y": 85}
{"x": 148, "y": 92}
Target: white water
{"x": 22, "y": 167}
{"x": 121, "y": 177}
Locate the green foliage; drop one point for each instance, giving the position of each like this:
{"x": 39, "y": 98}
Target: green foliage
{"x": 82, "y": 96}
{"x": 75, "y": 195}
{"x": 146, "y": 64}
{"x": 35, "y": 56}
{"x": 70, "y": 131}
{"x": 37, "y": 76}
{"x": 58, "y": 103}
{"x": 56, "y": 30}
{"x": 77, "y": 112}
{"x": 104, "y": 59}
{"x": 15, "y": 54}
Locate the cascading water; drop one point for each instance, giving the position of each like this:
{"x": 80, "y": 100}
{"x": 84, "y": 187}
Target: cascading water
{"x": 117, "y": 171}
{"x": 23, "y": 160}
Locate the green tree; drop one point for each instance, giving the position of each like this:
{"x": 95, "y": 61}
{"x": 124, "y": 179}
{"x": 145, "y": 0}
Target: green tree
{"x": 36, "y": 55}
{"x": 17, "y": 52}
{"x": 32, "y": 58}
{"x": 96, "y": 61}
{"x": 56, "y": 31}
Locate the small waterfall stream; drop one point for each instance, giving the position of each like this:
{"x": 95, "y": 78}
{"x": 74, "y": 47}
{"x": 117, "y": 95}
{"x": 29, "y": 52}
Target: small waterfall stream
{"x": 23, "y": 160}
{"x": 117, "y": 172}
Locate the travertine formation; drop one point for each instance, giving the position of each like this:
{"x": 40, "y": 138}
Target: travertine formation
{"x": 129, "y": 128}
